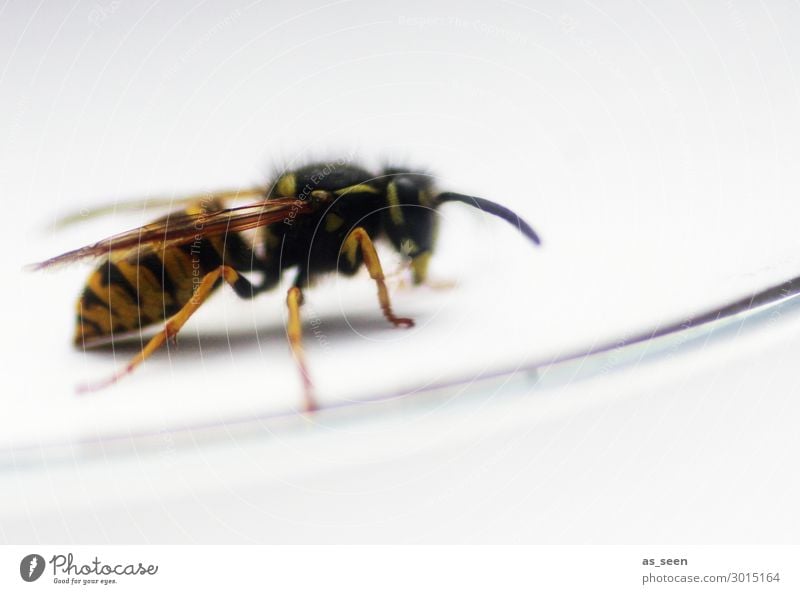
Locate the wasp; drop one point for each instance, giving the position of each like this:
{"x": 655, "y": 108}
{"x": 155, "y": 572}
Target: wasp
{"x": 317, "y": 219}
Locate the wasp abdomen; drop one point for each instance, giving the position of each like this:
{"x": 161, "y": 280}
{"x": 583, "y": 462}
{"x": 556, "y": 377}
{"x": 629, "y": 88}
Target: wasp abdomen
{"x": 144, "y": 288}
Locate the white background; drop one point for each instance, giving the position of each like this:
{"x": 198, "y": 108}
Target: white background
{"x": 653, "y": 148}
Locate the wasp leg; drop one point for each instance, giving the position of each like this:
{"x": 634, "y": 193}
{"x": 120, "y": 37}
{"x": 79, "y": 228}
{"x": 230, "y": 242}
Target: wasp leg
{"x": 294, "y": 329}
{"x": 176, "y": 322}
{"x": 359, "y": 240}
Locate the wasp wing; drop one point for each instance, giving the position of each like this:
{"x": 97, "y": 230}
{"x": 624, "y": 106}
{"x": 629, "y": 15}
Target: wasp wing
{"x": 181, "y": 228}
{"x": 155, "y": 202}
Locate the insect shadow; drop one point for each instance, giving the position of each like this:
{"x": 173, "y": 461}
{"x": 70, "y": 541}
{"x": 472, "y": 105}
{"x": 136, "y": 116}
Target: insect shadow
{"x": 219, "y": 341}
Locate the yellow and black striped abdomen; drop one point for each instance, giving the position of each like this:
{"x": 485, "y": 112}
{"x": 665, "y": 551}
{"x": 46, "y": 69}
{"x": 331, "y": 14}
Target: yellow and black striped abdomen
{"x": 144, "y": 288}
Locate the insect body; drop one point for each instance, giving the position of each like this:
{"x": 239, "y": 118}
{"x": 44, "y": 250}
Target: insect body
{"x": 134, "y": 289}
{"x": 317, "y": 219}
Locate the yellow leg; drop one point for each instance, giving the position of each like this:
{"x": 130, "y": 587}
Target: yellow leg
{"x": 359, "y": 239}
{"x": 294, "y": 299}
{"x": 172, "y": 326}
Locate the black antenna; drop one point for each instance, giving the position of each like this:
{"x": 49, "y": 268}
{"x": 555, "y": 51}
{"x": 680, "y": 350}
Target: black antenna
{"x": 495, "y": 209}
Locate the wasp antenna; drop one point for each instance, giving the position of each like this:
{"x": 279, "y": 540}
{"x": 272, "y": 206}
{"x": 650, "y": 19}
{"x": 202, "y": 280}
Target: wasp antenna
{"x": 495, "y": 209}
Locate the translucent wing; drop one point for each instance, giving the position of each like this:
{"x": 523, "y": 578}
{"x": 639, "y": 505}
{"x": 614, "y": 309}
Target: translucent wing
{"x": 181, "y": 228}
{"x": 155, "y": 202}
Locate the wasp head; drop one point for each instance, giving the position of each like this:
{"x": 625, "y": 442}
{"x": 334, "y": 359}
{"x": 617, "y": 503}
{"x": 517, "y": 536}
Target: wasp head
{"x": 409, "y": 218}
